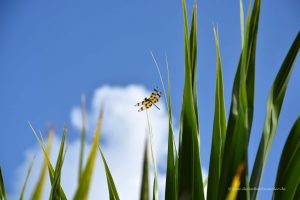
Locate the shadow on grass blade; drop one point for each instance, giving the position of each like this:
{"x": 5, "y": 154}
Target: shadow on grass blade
{"x": 2, "y": 186}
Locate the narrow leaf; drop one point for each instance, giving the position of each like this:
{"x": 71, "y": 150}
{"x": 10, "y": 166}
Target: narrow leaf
{"x": 47, "y": 158}
{"x": 219, "y": 129}
{"x": 241, "y": 111}
{"x": 113, "y": 194}
{"x": 2, "y": 186}
{"x": 144, "y": 195}
{"x": 86, "y": 175}
{"x": 274, "y": 104}
{"x": 55, "y": 189}
{"x": 26, "y": 179}
{"x": 189, "y": 166}
{"x": 288, "y": 174}
{"x": 38, "y": 191}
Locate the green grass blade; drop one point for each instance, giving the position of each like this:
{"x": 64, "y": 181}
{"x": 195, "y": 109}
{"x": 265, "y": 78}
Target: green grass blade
{"x": 86, "y": 175}
{"x": 55, "y": 189}
{"x": 47, "y": 158}
{"x": 241, "y": 111}
{"x": 189, "y": 167}
{"x": 171, "y": 182}
{"x": 274, "y": 104}
{"x": 26, "y": 179}
{"x": 155, "y": 184}
{"x": 113, "y": 194}
{"x": 288, "y": 174}
{"x": 38, "y": 191}
{"x": 219, "y": 129}
{"x": 82, "y": 140}
{"x": 144, "y": 195}
{"x": 2, "y": 186}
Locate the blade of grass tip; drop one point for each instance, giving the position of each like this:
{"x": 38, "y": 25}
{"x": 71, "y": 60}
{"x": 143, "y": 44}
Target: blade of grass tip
{"x": 190, "y": 182}
{"x": 155, "y": 184}
{"x": 26, "y": 179}
{"x": 82, "y": 140}
{"x": 86, "y": 175}
{"x": 236, "y": 182}
{"x": 38, "y": 191}
{"x": 242, "y": 22}
{"x": 241, "y": 111}
{"x": 47, "y": 158}
{"x": 219, "y": 128}
{"x": 55, "y": 189}
{"x": 2, "y": 186}
{"x": 275, "y": 100}
{"x": 113, "y": 193}
{"x": 144, "y": 195}
{"x": 288, "y": 174}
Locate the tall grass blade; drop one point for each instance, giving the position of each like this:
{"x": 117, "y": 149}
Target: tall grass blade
{"x": 38, "y": 191}
{"x": 47, "y": 158}
{"x": 171, "y": 191}
{"x": 288, "y": 174}
{"x": 82, "y": 140}
{"x": 2, "y": 187}
{"x": 155, "y": 181}
{"x": 241, "y": 111}
{"x": 274, "y": 104}
{"x": 113, "y": 194}
{"x": 55, "y": 193}
{"x": 26, "y": 179}
{"x": 86, "y": 175}
{"x": 189, "y": 167}
{"x": 219, "y": 129}
{"x": 144, "y": 195}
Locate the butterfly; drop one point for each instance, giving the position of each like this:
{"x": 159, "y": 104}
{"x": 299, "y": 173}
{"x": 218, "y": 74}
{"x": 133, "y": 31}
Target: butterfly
{"x": 148, "y": 102}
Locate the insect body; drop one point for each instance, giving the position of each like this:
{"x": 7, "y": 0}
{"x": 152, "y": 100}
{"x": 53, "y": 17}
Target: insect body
{"x": 148, "y": 102}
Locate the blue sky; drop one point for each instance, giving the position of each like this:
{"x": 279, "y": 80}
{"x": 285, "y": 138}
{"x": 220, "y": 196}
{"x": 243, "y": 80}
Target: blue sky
{"x": 51, "y": 52}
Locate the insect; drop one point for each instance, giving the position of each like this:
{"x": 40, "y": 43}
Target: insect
{"x": 148, "y": 102}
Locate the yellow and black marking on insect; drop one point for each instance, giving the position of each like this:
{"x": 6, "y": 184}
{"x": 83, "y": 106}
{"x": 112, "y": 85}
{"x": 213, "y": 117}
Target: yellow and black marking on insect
{"x": 148, "y": 102}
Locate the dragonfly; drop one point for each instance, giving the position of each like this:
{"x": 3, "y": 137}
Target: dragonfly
{"x": 148, "y": 102}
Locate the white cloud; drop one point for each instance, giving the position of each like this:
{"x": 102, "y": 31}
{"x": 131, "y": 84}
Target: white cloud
{"x": 122, "y": 140}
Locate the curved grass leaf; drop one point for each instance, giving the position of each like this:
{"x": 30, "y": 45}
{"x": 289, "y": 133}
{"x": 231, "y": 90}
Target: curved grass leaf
{"x": 219, "y": 130}
{"x": 86, "y": 175}
{"x": 288, "y": 174}
{"x": 47, "y": 161}
{"x": 38, "y": 191}
{"x": 113, "y": 194}
{"x": 189, "y": 167}
{"x": 26, "y": 179}
{"x": 274, "y": 104}
{"x": 144, "y": 195}
{"x": 55, "y": 193}
{"x": 241, "y": 111}
{"x": 2, "y": 186}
